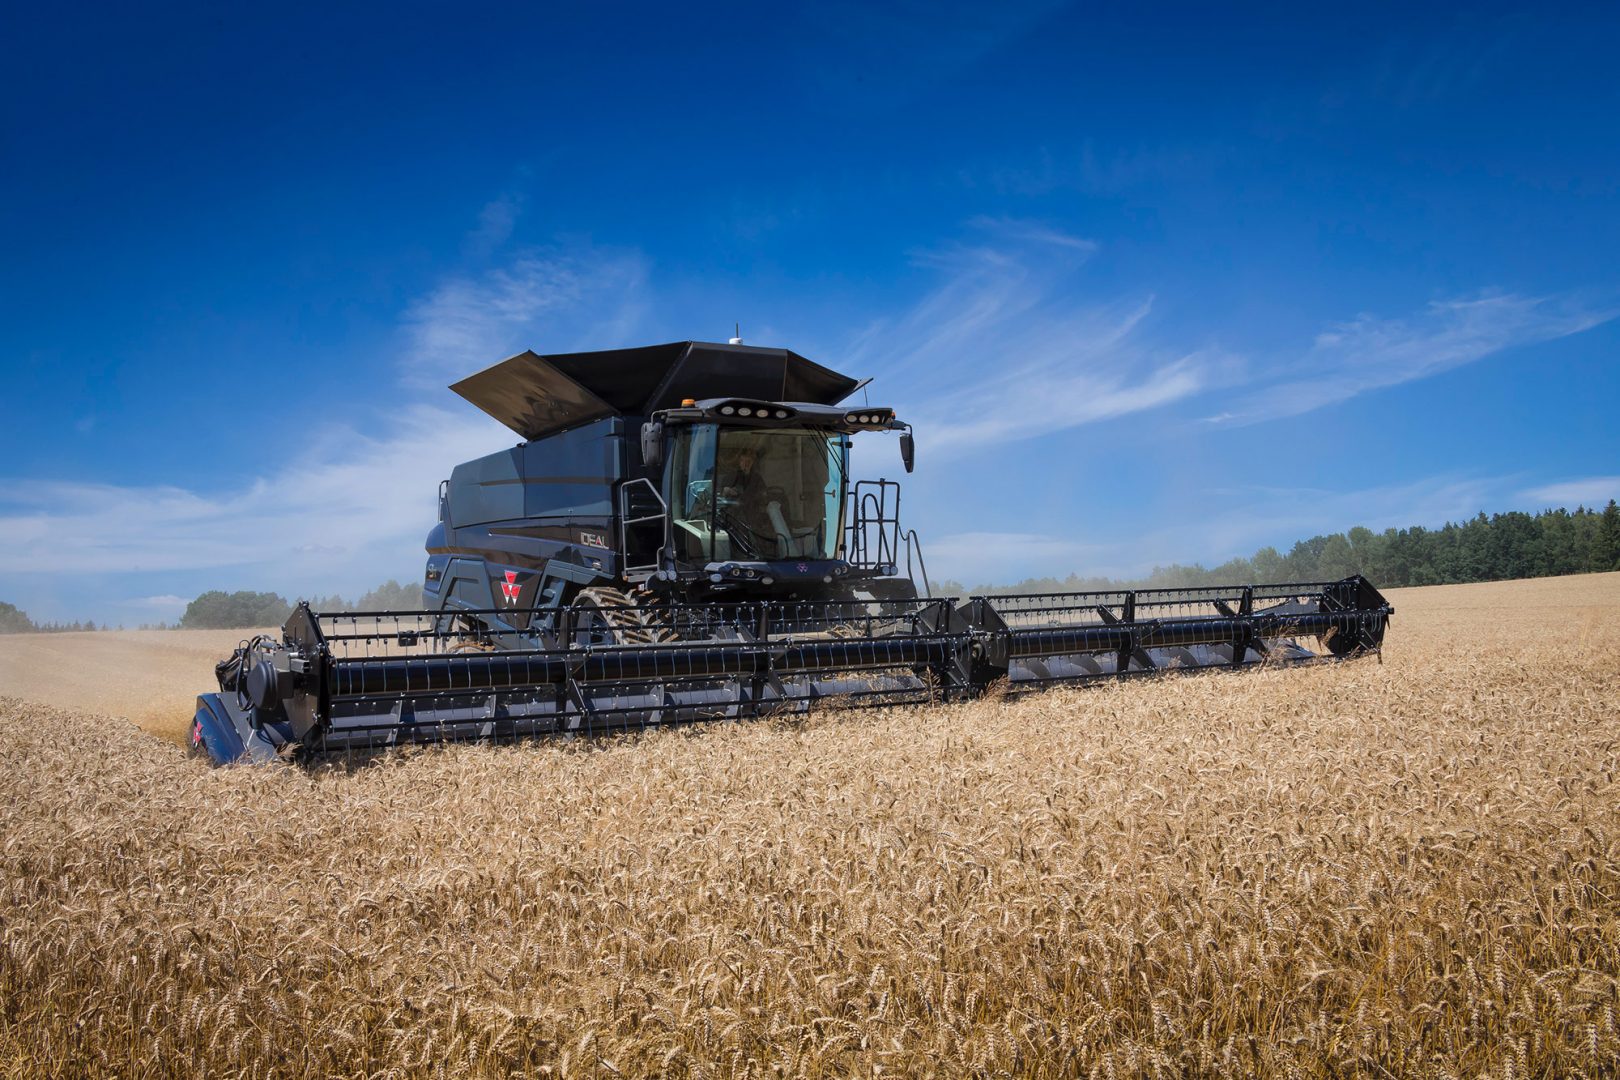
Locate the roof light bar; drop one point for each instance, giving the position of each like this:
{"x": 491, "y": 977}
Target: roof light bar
{"x": 879, "y": 418}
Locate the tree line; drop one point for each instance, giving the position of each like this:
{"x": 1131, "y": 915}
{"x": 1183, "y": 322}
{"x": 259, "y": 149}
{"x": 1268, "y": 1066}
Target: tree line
{"x": 219, "y": 610}
{"x": 1494, "y": 548}
{"x": 13, "y": 620}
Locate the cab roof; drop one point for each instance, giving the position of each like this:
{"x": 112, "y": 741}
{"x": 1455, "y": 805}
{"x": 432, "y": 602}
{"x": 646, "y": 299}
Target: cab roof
{"x": 537, "y": 395}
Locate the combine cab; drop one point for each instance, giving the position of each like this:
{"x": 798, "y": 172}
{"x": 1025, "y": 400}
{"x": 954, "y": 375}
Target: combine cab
{"x": 677, "y": 539}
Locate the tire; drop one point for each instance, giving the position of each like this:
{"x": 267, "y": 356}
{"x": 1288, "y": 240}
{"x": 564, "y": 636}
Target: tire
{"x": 603, "y": 615}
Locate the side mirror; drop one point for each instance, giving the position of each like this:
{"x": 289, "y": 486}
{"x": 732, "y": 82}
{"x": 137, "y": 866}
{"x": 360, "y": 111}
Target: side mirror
{"x": 652, "y": 444}
{"x": 908, "y": 450}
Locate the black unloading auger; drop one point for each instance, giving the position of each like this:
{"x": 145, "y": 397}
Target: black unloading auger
{"x": 677, "y": 540}
{"x": 368, "y": 681}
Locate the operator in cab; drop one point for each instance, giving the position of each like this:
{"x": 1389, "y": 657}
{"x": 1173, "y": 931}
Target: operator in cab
{"x": 743, "y": 496}
{"x": 744, "y": 485}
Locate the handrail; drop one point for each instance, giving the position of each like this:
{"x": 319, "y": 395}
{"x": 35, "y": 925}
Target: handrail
{"x": 914, "y": 546}
{"x": 646, "y": 570}
{"x": 876, "y": 540}
{"x": 872, "y": 525}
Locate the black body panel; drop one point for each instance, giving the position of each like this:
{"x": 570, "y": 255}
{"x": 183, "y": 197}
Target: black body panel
{"x": 537, "y": 396}
{"x": 570, "y": 475}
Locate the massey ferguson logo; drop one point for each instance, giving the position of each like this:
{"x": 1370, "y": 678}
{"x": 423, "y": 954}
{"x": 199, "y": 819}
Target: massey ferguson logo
{"x": 803, "y": 568}
{"x": 510, "y": 587}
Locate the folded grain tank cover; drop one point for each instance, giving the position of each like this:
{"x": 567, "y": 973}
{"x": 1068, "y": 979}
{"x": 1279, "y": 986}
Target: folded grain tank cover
{"x": 537, "y": 395}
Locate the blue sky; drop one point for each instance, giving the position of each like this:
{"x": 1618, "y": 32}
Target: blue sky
{"x": 1159, "y": 284}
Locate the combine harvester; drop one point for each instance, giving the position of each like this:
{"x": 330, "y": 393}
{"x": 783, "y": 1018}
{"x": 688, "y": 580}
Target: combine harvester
{"x": 677, "y": 539}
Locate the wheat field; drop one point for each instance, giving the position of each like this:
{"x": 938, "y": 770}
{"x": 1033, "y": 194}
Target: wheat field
{"x": 152, "y": 677}
{"x": 1396, "y": 869}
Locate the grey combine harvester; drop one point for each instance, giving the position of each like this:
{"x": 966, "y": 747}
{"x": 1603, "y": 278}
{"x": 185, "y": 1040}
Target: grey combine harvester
{"x": 678, "y": 539}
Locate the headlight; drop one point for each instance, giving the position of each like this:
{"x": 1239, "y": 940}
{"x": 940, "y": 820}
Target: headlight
{"x": 781, "y": 414}
{"x": 727, "y": 410}
{"x": 851, "y": 418}
{"x": 743, "y": 410}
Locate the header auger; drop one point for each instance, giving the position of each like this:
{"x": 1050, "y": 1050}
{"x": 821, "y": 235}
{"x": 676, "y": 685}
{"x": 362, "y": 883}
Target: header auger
{"x": 677, "y": 540}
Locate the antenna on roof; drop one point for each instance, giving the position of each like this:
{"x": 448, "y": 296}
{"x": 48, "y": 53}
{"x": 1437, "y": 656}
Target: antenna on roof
{"x": 737, "y": 340}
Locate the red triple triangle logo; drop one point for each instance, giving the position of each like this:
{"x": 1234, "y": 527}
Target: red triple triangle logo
{"x": 510, "y": 587}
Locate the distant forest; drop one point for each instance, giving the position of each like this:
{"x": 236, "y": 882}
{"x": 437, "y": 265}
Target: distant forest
{"x": 15, "y": 621}
{"x": 229, "y": 611}
{"x": 1495, "y": 548}
{"x": 217, "y": 610}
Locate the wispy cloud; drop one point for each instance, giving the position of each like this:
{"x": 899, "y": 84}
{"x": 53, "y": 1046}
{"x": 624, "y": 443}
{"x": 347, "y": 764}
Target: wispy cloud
{"x": 1019, "y": 229}
{"x": 1370, "y": 353}
{"x": 1592, "y": 491}
{"x": 1411, "y": 73}
{"x": 354, "y": 506}
{"x": 1007, "y": 347}
{"x": 330, "y": 514}
{"x": 496, "y": 221}
{"x": 1012, "y": 342}
{"x": 472, "y": 320}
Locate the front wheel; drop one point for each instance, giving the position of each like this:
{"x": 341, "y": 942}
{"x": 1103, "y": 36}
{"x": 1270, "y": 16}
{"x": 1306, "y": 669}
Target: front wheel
{"x": 601, "y": 615}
